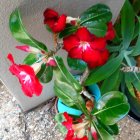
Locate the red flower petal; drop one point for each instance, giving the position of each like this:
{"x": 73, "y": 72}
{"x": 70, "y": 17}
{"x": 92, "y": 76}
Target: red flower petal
{"x": 91, "y": 56}
{"x": 110, "y": 35}
{"x": 83, "y": 34}
{"x": 68, "y": 122}
{"x": 70, "y": 42}
{"x": 10, "y": 57}
{"x": 70, "y": 135}
{"x": 30, "y": 84}
{"x": 105, "y": 56}
{"x": 76, "y": 53}
{"x": 98, "y": 43}
{"x": 60, "y": 24}
{"x": 50, "y": 13}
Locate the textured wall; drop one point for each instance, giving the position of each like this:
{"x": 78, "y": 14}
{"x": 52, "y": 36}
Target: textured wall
{"x": 31, "y": 11}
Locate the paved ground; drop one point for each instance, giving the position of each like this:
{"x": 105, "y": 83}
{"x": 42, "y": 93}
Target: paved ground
{"x": 39, "y": 125}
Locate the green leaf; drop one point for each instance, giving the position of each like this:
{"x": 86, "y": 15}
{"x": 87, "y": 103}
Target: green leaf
{"x": 59, "y": 118}
{"x": 104, "y": 135}
{"x": 46, "y": 73}
{"x": 136, "y": 6}
{"x": 98, "y": 12}
{"x": 110, "y": 83}
{"x": 105, "y": 71}
{"x": 130, "y": 88}
{"x": 111, "y": 129}
{"x": 97, "y": 28}
{"x": 127, "y": 13}
{"x": 114, "y": 48}
{"x": 68, "y": 31}
{"x": 76, "y": 64}
{"x": 69, "y": 96}
{"x": 30, "y": 59}
{"x": 66, "y": 74}
{"x": 136, "y": 50}
{"x": 136, "y": 30}
{"x": 20, "y": 34}
{"x": 111, "y": 107}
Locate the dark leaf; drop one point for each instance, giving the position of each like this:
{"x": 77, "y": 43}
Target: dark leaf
{"x": 76, "y": 64}
{"x": 68, "y": 31}
{"x": 97, "y": 28}
{"x": 98, "y": 12}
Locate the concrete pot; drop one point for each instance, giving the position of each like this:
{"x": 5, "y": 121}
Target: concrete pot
{"x": 31, "y": 11}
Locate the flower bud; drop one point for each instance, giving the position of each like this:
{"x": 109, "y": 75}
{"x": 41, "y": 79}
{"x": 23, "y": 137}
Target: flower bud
{"x": 29, "y": 49}
{"x": 51, "y": 62}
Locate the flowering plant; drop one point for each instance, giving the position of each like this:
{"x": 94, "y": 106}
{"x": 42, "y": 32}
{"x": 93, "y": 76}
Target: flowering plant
{"x": 85, "y": 39}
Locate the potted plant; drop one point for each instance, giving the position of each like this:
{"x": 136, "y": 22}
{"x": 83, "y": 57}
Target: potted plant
{"x": 85, "y": 39}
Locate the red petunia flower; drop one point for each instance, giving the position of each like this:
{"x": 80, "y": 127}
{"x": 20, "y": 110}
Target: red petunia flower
{"x": 110, "y": 35}
{"x": 72, "y": 128}
{"x": 83, "y": 45}
{"x": 55, "y": 22}
{"x": 26, "y": 75}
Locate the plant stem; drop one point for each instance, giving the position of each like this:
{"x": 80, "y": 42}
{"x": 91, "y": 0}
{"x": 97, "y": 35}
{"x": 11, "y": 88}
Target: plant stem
{"x": 84, "y": 76}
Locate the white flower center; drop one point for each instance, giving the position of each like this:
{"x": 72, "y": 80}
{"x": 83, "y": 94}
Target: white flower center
{"x": 84, "y": 45}
{"x": 25, "y": 77}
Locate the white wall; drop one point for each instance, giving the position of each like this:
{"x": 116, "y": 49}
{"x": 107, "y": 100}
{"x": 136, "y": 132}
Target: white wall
{"x": 31, "y": 11}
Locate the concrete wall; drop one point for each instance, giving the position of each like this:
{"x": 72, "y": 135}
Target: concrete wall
{"x": 31, "y": 11}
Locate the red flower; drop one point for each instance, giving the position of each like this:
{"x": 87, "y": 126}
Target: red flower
{"x": 26, "y": 75}
{"x": 69, "y": 126}
{"x": 110, "y": 35}
{"x": 54, "y": 21}
{"x": 83, "y": 45}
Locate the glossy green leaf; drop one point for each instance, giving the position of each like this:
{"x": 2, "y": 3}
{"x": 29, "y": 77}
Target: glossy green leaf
{"x": 46, "y": 73}
{"x": 68, "y": 31}
{"x": 128, "y": 23}
{"x": 69, "y": 96}
{"x": 76, "y": 64}
{"x": 136, "y": 50}
{"x": 111, "y": 107}
{"x": 67, "y": 75}
{"x": 30, "y": 59}
{"x": 103, "y": 134}
{"x": 110, "y": 83}
{"x": 97, "y": 28}
{"x": 20, "y": 34}
{"x": 111, "y": 129}
{"x": 105, "y": 71}
{"x": 98, "y": 12}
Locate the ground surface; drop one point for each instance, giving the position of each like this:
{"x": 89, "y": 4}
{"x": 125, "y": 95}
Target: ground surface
{"x": 39, "y": 125}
